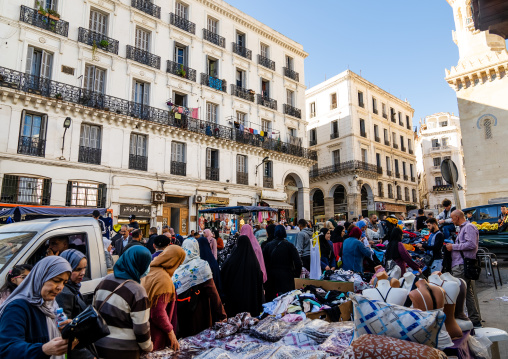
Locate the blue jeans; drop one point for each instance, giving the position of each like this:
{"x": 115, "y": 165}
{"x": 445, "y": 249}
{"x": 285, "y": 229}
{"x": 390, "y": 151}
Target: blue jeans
{"x": 447, "y": 230}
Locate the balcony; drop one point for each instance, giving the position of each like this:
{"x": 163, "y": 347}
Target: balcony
{"x": 402, "y": 148}
{"x": 32, "y": 146}
{"x": 212, "y": 174}
{"x": 53, "y": 90}
{"x": 379, "y": 170}
{"x": 266, "y": 62}
{"x": 267, "y": 102}
{"x": 98, "y": 40}
{"x": 333, "y": 106}
{"x": 267, "y": 182}
{"x": 139, "y": 163}
{"x": 411, "y": 151}
{"x": 334, "y": 135}
{"x": 242, "y": 178}
{"x": 292, "y": 111}
{"x": 435, "y": 169}
{"x": 377, "y": 139}
{"x": 214, "y": 38}
{"x": 440, "y": 148}
{"x": 182, "y": 23}
{"x": 389, "y": 173}
{"x": 387, "y": 143}
{"x": 293, "y": 75}
{"x": 147, "y": 7}
{"x": 34, "y": 18}
{"x": 363, "y": 134}
{"x": 178, "y": 168}
{"x": 312, "y": 142}
{"x": 26, "y": 190}
{"x": 396, "y": 146}
{"x": 242, "y": 93}
{"x": 385, "y": 115}
{"x": 397, "y": 174}
{"x": 89, "y": 155}
{"x": 143, "y": 57}
{"x": 361, "y": 104}
{"x": 349, "y": 166}
{"x": 442, "y": 188}
{"x": 375, "y": 111}
{"x": 213, "y": 82}
{"x": 242, "y": 51}
{"x": 181, "y": 70}
{"x": 406, "y": 177}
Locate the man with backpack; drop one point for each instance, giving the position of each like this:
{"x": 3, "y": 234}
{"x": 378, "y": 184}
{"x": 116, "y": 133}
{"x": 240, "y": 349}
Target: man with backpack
{"x": 303, "y": 242}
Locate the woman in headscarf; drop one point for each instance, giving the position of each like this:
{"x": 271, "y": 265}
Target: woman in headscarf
{"x": 327, "y": 257}
{"x": 354, "y": 251}
{"x": 337, "y": 239}
{"x": 162, "y": 297}
{"x": 28, "y": 326}
{"x": 206, "y": 254}
{"x": 71, "y": 300}
{"x": 13, "y": 279}
{"x": 199, "y": 303}
{"x": 247, "y": 231}
{"x": 242, "y": 280}
{"x": 270, "y": 230}
{"x": 220, "y": 242}
{"x": 107, "y": 252}
{"x": 395, "y": 251}
{"x": 283, "y": 264}
{"x": 228, "y": 249}
{"x": 212, "y": 242}
{"x": 127, "y": 312}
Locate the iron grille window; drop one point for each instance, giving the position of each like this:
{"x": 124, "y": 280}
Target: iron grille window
{"x": 32, "y": 139}
{"x": 242, "y": 175}
{"x": 26, "y": 190}
{"x": 138, "y": 159}
{"x": 90, "y": 144}
{"x": 85, "y": 194}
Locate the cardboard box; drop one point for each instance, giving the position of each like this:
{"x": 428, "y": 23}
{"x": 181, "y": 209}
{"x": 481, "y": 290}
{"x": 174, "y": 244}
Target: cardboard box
{"x": 346, "y": 310}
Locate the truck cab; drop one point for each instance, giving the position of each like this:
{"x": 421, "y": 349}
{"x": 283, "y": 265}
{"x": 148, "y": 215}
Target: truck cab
{"x": 27, "y": 243}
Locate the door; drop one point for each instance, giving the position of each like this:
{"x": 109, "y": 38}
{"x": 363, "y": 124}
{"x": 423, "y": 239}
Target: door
{"x": 184, "y": 224}
{"x": 166, "y": 215}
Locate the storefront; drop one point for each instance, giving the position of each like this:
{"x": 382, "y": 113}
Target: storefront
{"x": 214, "y": 220}
{"x": 142, "y": 212}
{"x": 175, "y": 214}
{"x": 383, "y": 208}
{"x": 277, "y": 200}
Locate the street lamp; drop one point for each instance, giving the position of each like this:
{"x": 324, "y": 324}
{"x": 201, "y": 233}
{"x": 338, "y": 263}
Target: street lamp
{"x": 264, "y": 160}
{"x": 66, "y": 125}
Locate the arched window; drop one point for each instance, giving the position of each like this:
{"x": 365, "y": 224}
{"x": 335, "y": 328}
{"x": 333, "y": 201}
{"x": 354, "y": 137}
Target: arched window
{"x": 406, "y": 194}
{"x": 487, "y": 128}
{"x": 380, "y": 191}
{"x": 399, "y": 193}
{"x": 414, "y": 195}
{"x": 390, "y": 191}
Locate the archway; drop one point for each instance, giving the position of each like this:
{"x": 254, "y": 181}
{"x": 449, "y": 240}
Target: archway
{"x": 340, "y": 202}
{"x": 318, "y": 205}
{"x": 293, "y": 186}
{"x": 367, "y": 200}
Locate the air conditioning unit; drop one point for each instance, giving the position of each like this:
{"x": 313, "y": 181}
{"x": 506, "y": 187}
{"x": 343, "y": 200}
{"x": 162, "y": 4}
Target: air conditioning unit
{"x": 158, "y": 197}
{"x": 199, "y": 199}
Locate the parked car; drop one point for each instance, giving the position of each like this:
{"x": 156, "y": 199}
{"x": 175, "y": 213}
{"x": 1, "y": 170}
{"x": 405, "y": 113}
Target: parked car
{"x": 27, "y": 242}
{"x": 291, "y": 236}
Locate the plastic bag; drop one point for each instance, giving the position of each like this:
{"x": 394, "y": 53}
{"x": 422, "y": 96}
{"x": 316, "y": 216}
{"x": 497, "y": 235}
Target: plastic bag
{"x": 480, "y": 347}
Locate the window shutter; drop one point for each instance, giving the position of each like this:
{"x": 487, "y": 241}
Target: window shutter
{"x": 89, "y": 77}
{"x": 146, "y": 94}
{"x": 173, "y": 152}
{"x": 134, "y": 90}
{"x": 68, "y": 198}
{"x": 83, "y": 138}
{"x": 47, "y": 59}
{"x": 99, "y": 80}
{"x": 132, "y": 150}
{"x": 29, "y": 60}
{"x": 208, "y": 158}
{"x": 102, "y": 196}
{"x": 141, "y": 145}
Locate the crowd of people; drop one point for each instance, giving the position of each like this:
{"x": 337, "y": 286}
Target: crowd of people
{"x": 172, "y": 287}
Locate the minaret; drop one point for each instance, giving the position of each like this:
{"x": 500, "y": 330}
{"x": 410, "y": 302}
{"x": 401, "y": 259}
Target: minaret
{"x": 481, "y": 83}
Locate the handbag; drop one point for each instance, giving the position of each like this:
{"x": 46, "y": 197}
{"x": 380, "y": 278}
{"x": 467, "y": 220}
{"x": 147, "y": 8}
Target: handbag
{"x": 88, "y": 326}
{"x": 471, "y": 268}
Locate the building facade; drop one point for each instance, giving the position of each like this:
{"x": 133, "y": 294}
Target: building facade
{"x": 365, "y": 143}
{"x": 151, "y": 108}
{"x": 439, "y": 138}
{"x": 480, "y": 82}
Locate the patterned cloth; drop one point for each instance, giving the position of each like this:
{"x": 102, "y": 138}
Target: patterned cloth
{"x": 193, "y": 270}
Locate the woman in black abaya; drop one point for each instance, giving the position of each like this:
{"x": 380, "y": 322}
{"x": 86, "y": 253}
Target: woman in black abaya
{"x": 242, "y": 280}
{"x": 205, "y": 252}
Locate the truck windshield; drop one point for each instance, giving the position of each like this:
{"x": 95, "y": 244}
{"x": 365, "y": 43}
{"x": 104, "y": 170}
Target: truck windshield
{"x": 11, "y": 243}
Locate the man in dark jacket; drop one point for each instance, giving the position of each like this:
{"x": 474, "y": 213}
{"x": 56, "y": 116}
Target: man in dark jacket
{"x": 136, "y": 240}
{"x": 420, "y": 220}
{"x": 434, "y": 245}
{"x": 303, "y": 241}
{"x": 121, "y": 243}
{"x": 151, "y": 237}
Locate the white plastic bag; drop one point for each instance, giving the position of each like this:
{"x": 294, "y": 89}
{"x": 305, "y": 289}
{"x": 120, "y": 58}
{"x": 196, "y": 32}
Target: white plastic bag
{"x": 480, "y": 347}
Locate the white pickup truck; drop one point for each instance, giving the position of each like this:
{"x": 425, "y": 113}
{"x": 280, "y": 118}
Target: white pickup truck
{"x": 27, "y": 242}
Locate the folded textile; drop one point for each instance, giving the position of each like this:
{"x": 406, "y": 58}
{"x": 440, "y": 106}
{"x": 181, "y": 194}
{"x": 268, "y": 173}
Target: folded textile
{"x": 241, "y": 321}
{"x": 337, "y": 343}
{"x": 217, "y": 353}
{"x": 298, "y": 340}
{"x": 272, "y": 329}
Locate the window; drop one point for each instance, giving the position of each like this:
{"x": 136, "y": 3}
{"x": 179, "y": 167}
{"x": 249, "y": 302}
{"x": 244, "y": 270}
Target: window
{"x": 411, "y": 170}
{"x": 292, "y": 132}
{"x": 406, "y": 194}
{"x": 392, "y": 114}
{"x": 399, "y": 193}
{"x": 212, "y": 158}
{"x": 400, "y": 119}
{"x": 95, "y": 78}
{"x": 180, "y": 99}
{"x": 362, "y": 128}
{"x": 438, "y": 181}
{"x": 383, "y": 107}
{"x": 265, "y": 88}
{"x": 26, "y": 190}
{"x": 138, "y": 145}
{"x": 390, "y": 191}
{"x": 264, "y": 51}
{"x": 404, "y": 168}
{"x": 490, "y": 212}
{"x": 396, "y": 162}
{"x": 266, "y": 126}
{"x": 336, "y": 157}
{"x": 32, "y": 139}
{"x": 241, "y": 163}
{"x": 178, "y": 152}
{"x": 435, "y": 142}
{"x": 380, "y": 189}
{"x": 364, "y": 155}
{"x": 268, "y": 172}
{"x": 211, "y": 112}
{"x": 387, "y": 138}
{"x": 289, "y": 62}
{"x": 182, "y": 10}
{"x": 409, "y": 145}
{"x": 376, "y": 132}
{"x": 487, "y": 128}
{"x": 141, "y": 93}
{"x": 402, "y": 143}
{"x": 335, "y": 128}
{"x": 374, "y": 105}
{"x": 290, "y": 97}
{"x": 84, "y": 194}
{"x": 240, "y": 39}
{"x": 180, "y": 54}
{"x": 241, "y": 118}
{"x": 388, "y": 164}
{"x": 142, "y": 39}
{"x": 333, "y": 101}
{"x": 443, "y": 123}
{"x": 212, "y": 67}
{"x": 313, "y": 137}
{"x": 90, "y": 144}
{"x": 378, "y": 160}
{"x": 212, "y": 25}
{"x": 408, "y": 123}
{"x": 240, "y": 78}
{"x": 98, "y": 22}
{"x": 437, "y": 161}
{"x": 360, "y": 99}
{"x": 312, "y": 109}
{"x": 394, "y": 137}
{"x": 39, "y": 63}
{"x": 48, "y": 4}
{"x": 444, "y": 141}
{"x": 414, "y": 195}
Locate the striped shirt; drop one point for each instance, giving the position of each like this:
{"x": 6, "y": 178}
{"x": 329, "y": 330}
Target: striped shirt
{"x": 127, "y": 314}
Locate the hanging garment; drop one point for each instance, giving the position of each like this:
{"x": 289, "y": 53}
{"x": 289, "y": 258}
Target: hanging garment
{"x": 315, "y": 259}
{"x": 195, "y": 113}
{"x": 178, "y": 116}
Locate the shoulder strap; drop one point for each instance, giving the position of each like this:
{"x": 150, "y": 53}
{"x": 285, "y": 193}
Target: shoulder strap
{"x": 113, "y": 292}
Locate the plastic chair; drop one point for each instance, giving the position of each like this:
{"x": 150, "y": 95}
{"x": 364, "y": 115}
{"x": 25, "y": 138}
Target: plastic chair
{"x": 495, "y": 336}
{"x": 485, "y": 257}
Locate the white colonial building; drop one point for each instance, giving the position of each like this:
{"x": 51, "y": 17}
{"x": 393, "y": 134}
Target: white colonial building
{"x": 168, "y": 107}
{"x": 439, "y": 138}
{"x": 481, "y": 83}
{"x": 365, "y": 144}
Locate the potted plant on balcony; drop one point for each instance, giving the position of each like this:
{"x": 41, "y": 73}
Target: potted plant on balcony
{"x": 104, "y": 43}
{"x": 42, "y": 11}
{"x": 252, "y": 92}
{"x": 181, "y": 71}
{"x": 58, "y": 96}
{"x": 52, "y": 14}
{"x": 94, "y": 48}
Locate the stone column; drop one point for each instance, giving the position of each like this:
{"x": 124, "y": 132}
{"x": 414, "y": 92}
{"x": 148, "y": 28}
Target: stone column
{"x": 303, "y": 203}
{"x": 329, "y": 208}
{"x": 354, "y": 204}
{"x": 311, "y": 207}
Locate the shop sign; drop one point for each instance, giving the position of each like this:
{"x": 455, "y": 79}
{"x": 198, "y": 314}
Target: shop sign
{"x": 274, "y": 195}
{"x": 139, "y": 210}
{"x": 391, "y": 207}
{"x": 380, "y": 206}
{"x": 217, "y": 200}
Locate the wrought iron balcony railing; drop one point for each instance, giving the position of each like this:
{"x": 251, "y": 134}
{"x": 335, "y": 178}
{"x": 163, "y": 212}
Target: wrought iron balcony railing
{"x": 379, "y": 170}
{"x": 375, "y": 111}
{"x": 181, "y": 70}
{"x": 242, "y": 51}
{"x": 291, "y": 74}
{"x": 390, "y": 194}
{"x": 406, "y": 177}
{"x": 292, "y": 111}
{"x": 267, "y": 102}
{"x": 413, "y": 179}
{"x": 407, "y": 198}
{"x": 178, "y": 168}
{"x": 267, "y": 182}
{"x": 34, "y": 18}
{"x": 385, "y": 115}
{"x": 399, "y": 197}
{"x": 242, "y": 178}
{"x": 312, "y": 142}
{"x": 396, "y": 146}
{"x": 346, "y": 167}
{"x": 377, "y": 139}
{"x": 182, "y": 23}
{"x": 389, "y": 173}
{"x": 266, "y": 62}
{"x": 387, "y": 143}
{"x": 89, "y": 155}
{"x": 363, "y": 134}
{"x": 57, "y": 91}
{"x": 402, "y": 148}
{"x": 143, "y": 57}
{"x": 214, "y": 38}
{"x": 32, "y": 146}
{"x": 334, "y": 135}
{"x": 397, "y": 174}
{"x": 139, "y": 163}
{"x": 214, "y": 82}
{"x": 212, "y": 174}
{"x": 147, "y": 7}
{"x": 411, "y": 151}
{"x": 242, "y": 93}
{"x": 31, "y": 190}
{"x": 381, "y": 194}
{"x": 101, "y": 41}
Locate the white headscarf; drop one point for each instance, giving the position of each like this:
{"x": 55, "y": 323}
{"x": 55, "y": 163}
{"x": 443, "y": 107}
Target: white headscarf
{"x": 193, "y": 270}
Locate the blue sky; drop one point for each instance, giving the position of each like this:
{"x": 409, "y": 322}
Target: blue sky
{"x": 403, "y": 46}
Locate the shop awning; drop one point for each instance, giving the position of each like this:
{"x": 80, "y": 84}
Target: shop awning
{"x": 52, "y": 211}
{"x": 238, "y": 209}
{"x": 277, "y": 204}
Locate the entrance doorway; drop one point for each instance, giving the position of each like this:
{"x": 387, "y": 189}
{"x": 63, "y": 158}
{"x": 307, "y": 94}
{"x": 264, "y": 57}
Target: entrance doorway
{"x": 175, "y": 214}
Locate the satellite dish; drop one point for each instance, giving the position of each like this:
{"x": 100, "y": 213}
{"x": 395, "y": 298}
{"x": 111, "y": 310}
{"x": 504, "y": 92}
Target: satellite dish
{"x": 449, "y": 171}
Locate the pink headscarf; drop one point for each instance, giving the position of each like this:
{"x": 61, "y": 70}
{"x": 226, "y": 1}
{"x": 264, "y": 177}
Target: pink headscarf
{"x": 213, "y": 242}
{"x": 247, "y": 231}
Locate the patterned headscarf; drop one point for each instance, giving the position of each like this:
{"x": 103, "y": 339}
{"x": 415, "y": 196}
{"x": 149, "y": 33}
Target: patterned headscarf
{"x": 193, "y": 270}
